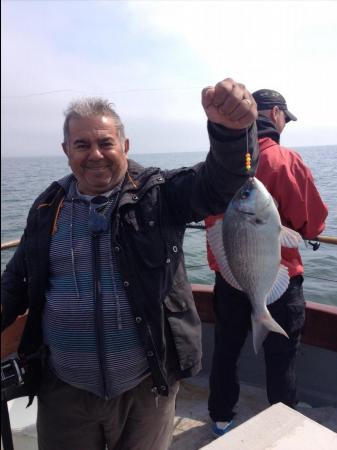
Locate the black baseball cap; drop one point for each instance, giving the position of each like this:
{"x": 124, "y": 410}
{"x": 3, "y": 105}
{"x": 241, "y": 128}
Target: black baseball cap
{"x": 267, "y": 98}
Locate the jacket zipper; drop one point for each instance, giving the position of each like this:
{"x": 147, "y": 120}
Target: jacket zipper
{"x": 98, "y": 311}
{"x": 155, "y": 389}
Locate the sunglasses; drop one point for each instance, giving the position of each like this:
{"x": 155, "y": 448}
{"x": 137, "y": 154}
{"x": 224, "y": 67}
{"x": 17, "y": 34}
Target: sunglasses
{"x": 97, "y": 222}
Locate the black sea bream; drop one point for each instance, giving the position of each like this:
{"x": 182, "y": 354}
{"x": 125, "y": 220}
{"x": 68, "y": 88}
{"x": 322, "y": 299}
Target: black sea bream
{"x": 247, "y": 247}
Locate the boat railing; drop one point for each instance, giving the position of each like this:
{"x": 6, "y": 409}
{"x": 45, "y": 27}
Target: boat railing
{"x": 323, "y": 239}
{"x": 10, "y": 244}
{"x": 315, "y": 243}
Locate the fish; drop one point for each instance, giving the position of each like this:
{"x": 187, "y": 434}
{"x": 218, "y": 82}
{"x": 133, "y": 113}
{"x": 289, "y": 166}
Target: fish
{"x": 246, "y": 244}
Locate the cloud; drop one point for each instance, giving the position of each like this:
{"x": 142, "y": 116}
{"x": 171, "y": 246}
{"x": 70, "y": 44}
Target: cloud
{"x": 151, "y": 59}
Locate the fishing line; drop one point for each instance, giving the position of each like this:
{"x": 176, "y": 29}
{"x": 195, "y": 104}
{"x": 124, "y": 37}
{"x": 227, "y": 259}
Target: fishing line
{"x": 248, "y": 158}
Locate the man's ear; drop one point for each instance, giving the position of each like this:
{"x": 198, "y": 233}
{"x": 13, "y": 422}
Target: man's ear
{"x": 126, "y": 146}
{"x": 273, "y": 113}
{"x": 65, "y": 149}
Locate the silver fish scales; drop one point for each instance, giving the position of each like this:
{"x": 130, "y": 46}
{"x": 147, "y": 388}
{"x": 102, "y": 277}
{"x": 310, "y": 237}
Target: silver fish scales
{"x": 247, "y": 247}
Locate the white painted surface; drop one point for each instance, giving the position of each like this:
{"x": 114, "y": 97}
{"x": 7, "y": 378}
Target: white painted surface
{"x": 23, "y": 423}
{"x": 277, "y": 428}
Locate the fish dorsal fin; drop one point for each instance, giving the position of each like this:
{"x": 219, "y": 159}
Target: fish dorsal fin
{"x": 280, "y": 285}
{"x": 214, "y": 238}
{"x": 289, "y": 238}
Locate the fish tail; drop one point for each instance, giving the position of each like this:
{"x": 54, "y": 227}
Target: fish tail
{"x": 261, "y": 327}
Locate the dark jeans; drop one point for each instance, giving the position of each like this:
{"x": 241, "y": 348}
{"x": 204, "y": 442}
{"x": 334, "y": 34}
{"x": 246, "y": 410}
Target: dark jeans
{"x": 232, "y": 312}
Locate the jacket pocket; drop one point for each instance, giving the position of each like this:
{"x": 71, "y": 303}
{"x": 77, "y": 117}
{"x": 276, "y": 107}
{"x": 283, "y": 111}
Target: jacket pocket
{"x": 144, "y": 236}
{"x": 185, "y": 326}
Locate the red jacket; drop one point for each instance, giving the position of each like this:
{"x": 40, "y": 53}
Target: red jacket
{"x": 290, "y": 182}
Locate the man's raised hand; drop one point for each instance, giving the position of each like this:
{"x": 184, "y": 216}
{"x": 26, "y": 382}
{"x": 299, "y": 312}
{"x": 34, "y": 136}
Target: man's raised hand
{"x": 230, "y": 104}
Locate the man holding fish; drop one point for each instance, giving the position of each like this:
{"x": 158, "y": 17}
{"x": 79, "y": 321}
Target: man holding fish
{"x": 100, "y": 268}
{"x": 259, "y": 272}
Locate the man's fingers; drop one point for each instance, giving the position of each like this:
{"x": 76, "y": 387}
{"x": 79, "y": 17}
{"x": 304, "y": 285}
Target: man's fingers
{"x": 229, "y": 103}
{"x": 222, "y": 91}
{"x": 244, "y": 107}
{"x": 233, "y": 100}
{"x": 207, "y": 95}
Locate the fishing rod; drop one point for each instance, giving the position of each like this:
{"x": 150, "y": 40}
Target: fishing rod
{"x": 324, "y": 239}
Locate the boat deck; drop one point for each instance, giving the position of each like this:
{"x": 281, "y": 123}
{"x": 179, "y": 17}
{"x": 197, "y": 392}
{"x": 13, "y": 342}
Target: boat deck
{"x": 316, "y": 367}
{"x": 191, "y": 424}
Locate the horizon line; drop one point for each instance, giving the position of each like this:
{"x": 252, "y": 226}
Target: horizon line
{"x": 155, "y": 153}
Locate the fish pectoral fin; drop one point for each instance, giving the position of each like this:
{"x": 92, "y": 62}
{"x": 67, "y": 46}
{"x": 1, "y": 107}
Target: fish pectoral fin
{"x": 261, "y": 327}
{"x": 289, "y": 238}
{"x": 280, "y": 285}
{"x": 214, "y": 238}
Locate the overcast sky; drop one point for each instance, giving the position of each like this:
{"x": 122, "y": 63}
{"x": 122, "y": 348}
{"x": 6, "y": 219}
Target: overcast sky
{"x": 151, "y": 59}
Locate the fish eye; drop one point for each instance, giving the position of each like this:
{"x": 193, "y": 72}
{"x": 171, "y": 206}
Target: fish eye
{"x": 245, "y": 194}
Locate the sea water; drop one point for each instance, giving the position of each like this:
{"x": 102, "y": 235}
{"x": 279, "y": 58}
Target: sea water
{"x": 25, "y": 178}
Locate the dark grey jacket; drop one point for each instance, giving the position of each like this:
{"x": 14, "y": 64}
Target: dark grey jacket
{"x": 147, "y": 236}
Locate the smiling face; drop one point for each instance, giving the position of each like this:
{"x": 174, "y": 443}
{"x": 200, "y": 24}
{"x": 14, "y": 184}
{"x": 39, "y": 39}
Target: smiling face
{"x": 96, "y": 154}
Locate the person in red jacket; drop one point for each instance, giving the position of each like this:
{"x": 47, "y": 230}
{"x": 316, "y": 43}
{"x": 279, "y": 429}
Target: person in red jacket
{"x": 301, "y": 208}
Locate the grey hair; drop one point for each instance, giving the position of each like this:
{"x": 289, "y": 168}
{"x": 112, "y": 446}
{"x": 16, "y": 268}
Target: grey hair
{"x": 91, "y": 106}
